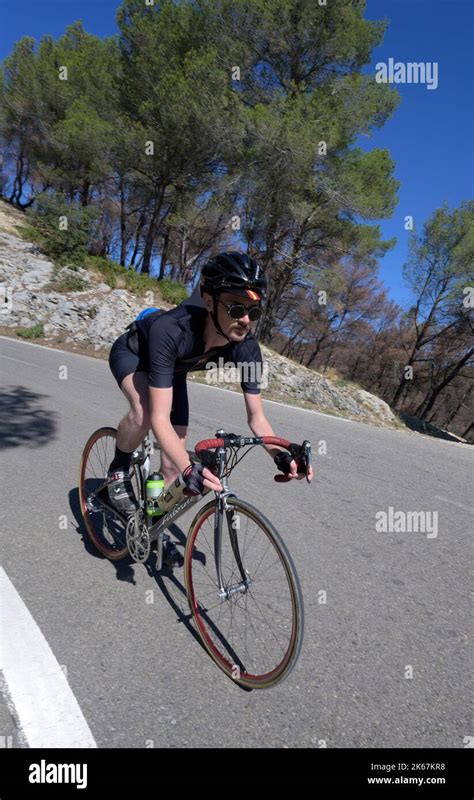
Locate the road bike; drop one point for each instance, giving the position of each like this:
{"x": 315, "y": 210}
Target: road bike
{"x": 241, "y": 583}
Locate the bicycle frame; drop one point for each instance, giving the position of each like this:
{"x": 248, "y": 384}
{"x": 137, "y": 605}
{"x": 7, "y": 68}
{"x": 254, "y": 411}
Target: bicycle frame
{"x": 157, "y": 529}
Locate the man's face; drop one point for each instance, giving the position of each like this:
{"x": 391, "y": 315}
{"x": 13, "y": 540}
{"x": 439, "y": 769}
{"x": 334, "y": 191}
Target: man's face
{"x": 235, "y": 329}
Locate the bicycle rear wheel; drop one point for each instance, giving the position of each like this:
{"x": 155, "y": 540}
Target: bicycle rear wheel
{"x": 254, "y": 630}
{"x": 104, "y": 529}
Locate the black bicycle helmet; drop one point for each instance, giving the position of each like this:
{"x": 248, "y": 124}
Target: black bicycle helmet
{"x": 234, "y": 272}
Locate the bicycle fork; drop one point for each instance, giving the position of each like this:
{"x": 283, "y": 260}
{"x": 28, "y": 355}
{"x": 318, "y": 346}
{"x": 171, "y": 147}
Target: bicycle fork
{"x": 226, "y": 592}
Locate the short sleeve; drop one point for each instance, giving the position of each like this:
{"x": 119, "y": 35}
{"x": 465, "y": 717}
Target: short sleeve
{"x": 249, "y": 360}
{"x": 163, "y": 349}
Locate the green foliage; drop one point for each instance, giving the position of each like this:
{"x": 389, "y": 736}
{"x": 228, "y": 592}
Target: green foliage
{"x": 364, "y": 183}
{"x": 67, "y": 282}
{"x": 62, "y": 123}
{"x": 107, "y": 268}
{"x": 34, "y": 332}
{"x": 255, "y": 142}
{"x": 31, "y": 234}
{"x": 139, "y": 284}
{"x": 117, "y": 276}
{"x": 64, "y": 246}
{"x": 172, "y": 292}
{"x": 441, "y": 259}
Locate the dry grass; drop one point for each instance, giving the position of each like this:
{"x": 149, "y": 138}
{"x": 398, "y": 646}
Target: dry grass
{"x": 11, "y": 218}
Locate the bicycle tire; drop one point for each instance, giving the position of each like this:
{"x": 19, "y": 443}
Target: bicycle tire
{"x": 282, "y": 669}
{"x": 110, "y": 552}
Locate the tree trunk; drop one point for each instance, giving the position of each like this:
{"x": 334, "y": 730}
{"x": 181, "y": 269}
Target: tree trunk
{"x": 427, "y": 394}
{"x": 164, "y": 255}
{"x": 85, "y": 193}
{"x": 17, "y": 188}
{"x": 141, "y": 225}
{"x": 402, "y": 383}
{"x": 291, "y": 339}
{"x": 451, "y": 375}
{"x": 453, "y": 414}
{"x": 316, "y": 350}
{"x": 354, "y": 369}
{"x": 271, "y": 310}
{"x": 123, "y": 225}
{"x": 334, "y": 341}
{"x": 151, "y": 234}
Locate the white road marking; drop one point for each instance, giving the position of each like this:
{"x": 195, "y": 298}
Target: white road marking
{"x": 278, "y": 403}
{"x": 453, "y": 503}
{"x": 48, "y": 713}
{"x": 46, "y": 369}
{"x": 50, "y": 349}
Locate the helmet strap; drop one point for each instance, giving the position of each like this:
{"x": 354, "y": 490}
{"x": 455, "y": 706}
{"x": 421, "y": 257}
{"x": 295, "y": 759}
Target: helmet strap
{"x": 213, "y": 314}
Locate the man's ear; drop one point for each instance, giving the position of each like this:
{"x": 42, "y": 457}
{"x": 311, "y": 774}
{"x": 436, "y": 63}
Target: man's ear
{"x": 208, "y": 301}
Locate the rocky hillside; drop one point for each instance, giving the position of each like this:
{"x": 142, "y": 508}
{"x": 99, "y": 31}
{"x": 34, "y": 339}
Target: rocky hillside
{"x": 75, "y": 309}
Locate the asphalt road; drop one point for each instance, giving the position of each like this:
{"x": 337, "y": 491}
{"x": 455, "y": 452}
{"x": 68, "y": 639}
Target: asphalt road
{"x": 141, "y": 679}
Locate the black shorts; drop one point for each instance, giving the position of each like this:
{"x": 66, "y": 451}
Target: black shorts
{"x": 123, "y": 361}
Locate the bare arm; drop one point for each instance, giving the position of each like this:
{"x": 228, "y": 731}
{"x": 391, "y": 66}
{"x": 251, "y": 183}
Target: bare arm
{"x": 161, "y": 401}
{"x": 260, "y": 426}
{"x": 258, "y": 423}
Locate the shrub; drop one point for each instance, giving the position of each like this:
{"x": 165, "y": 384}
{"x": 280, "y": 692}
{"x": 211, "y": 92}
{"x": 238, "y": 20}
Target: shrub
{"x": 101, "y": 265}
{"x": 35, "y": 332}
{"x": 67, "y": 282}
{"x": 139, "y": 284}
{"x": 117, "y": 276}
{"x": 172, "y": 292}
{"x": 64, "y": 246}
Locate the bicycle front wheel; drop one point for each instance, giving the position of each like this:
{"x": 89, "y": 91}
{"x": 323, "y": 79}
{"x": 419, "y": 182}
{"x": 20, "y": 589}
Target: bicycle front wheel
{"x": 252, "y": 625}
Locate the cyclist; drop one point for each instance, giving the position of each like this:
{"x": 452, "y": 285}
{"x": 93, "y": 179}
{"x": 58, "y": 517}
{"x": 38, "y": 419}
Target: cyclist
{"x": 150, "y": 363}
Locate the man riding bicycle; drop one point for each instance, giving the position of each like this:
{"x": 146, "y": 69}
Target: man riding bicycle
{"x": 150, "y": 363}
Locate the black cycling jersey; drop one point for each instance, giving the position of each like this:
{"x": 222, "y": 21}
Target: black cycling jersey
{"x": 171, "y": 344}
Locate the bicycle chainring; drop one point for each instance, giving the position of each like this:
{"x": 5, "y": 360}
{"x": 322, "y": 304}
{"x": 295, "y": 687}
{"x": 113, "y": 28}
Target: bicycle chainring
{"x": 138, "y": 538}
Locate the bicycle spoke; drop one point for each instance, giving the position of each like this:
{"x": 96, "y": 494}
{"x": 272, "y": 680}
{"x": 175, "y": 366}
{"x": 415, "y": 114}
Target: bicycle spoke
{"x": 258, "y": 617}
{"x": 104, "y": 528}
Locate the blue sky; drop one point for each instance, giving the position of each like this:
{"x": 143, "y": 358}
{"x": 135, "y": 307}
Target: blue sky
{"x": 431, "y": 135}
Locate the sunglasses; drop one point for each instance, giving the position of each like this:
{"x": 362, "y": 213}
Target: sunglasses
{"x": 238, "y": 310}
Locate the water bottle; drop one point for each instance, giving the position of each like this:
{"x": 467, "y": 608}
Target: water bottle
{"x": 154, "y": 488}
{"x": 172, "y": 495}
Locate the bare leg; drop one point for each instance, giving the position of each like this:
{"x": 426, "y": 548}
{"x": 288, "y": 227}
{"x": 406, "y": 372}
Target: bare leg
{"x": 136, "y": 424}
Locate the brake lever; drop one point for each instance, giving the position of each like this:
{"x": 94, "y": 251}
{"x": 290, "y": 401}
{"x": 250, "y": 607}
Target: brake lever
{"x": 208, "y": 459}
{"x": 306, "y": 447}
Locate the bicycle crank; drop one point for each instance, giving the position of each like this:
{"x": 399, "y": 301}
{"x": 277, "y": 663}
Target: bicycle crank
{"x": 138, "y": 538}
